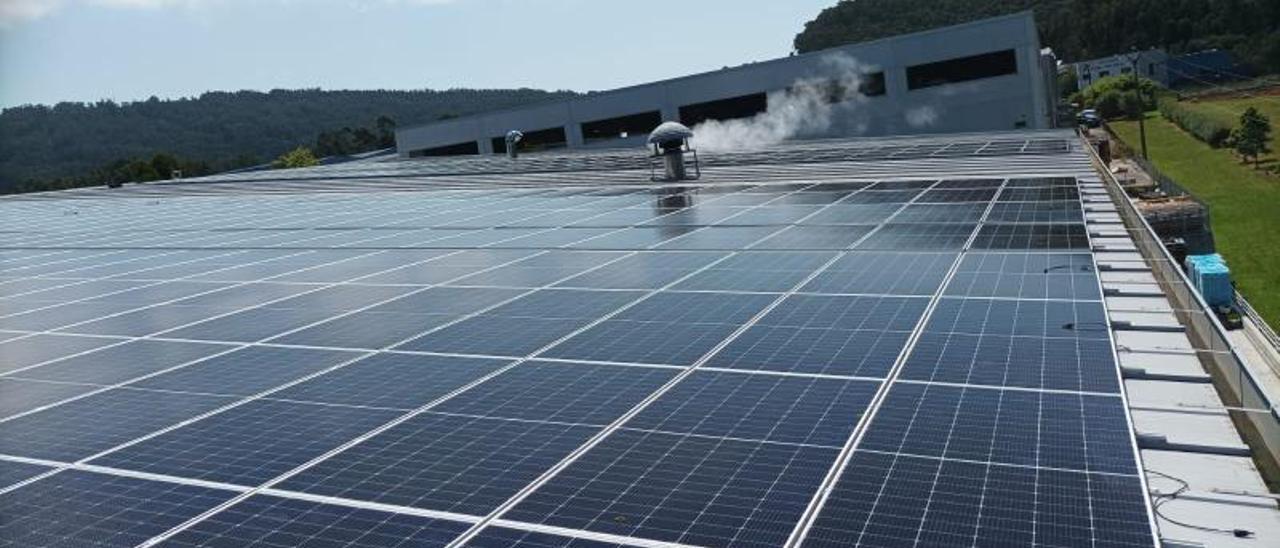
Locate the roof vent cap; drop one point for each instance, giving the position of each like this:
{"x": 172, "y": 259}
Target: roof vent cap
{"x": 670, "y": 142}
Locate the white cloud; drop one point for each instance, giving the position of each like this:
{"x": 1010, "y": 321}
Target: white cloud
{"x": 17, "y": 11}
{"x": 14, "y": 11}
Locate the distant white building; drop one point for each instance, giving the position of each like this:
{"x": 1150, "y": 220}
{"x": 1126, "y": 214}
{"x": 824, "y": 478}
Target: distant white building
{"x": 1153, "y": 64}
{"x": 981, "y": 76}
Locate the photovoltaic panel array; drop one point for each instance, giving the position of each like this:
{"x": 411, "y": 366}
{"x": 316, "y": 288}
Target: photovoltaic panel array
{"x": 775, "y": 355}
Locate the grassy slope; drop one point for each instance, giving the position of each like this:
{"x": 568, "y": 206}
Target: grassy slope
{"x": 1244, "y": 206}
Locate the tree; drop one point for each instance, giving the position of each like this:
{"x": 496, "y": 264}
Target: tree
{"x": 298, "y": 157}
{"x": 1251, "y": 137}
{"x": 164, "y": 164}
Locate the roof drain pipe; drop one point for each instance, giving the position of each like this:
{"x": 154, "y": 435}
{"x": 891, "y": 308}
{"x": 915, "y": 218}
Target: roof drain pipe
{"x": 513, "y": 143}
{"x": 670, "y": 142}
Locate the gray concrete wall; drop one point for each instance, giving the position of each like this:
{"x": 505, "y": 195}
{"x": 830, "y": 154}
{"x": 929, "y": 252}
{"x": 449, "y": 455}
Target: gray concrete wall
{"x": 1000, "y": 103}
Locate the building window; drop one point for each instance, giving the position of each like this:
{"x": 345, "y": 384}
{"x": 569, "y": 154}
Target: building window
{"x": 621, "y": 127}
{"x": 744, "y": 106}
{"x": 962, "y": 69}
{"x": 1104, "y": 73}
{"x": 1124, "y": 70}
{"x": 460, "y": 149}
{"x": 542, "y": 139}
{"x": 1151, "y": 69}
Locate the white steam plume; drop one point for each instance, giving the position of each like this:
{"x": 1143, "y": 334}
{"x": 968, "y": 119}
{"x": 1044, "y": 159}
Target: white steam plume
{"x": 810, "y": 108}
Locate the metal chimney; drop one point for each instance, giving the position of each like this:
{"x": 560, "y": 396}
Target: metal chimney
{"x": 513, "y": 143}
{"x": 670, "y": 142}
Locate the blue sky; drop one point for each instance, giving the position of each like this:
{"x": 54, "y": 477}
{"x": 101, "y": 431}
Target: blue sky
{"x": 83, "y": 50}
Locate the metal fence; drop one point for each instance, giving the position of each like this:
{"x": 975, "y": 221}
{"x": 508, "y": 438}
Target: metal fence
{"x": 1254, "y": 414}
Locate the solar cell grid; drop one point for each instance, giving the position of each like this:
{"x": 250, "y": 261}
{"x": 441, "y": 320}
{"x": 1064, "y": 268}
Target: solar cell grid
{"x": 502, "y": 537}
{"x": 692, "y": 490}
{"x": 874, "y": 272}
{"x": 802, "y": 410}
{"x": 21, "y": 396}
{"x": 247, "y": 371}
{"x": 1004, "y": 424}
{"x": 918, "y": 237}
{"x": 1032, "y": 236}
{"x": 444, "y": 462}
{"x": 12, "y": 473}
{"x": 1036, "y": 212}
{"x": 770, "y": 272}
{"x": 123, "y": 362}
{"x": 1030, "y": 428}
{"x": 84, "y": 427}
{"x": 560, "y": 392}
{"x": 855, "y": 336}
{"x": 249, "y": 444}
{"x": 82, "y": 509}
{"x": 1068, "y": 319}
{"x": 263, "y": 521}
{"x": 1028, "y": 362}
{"x": 814, "y": 237}
{"x": 390, "y": 380}
{"x": 891, "y": 500}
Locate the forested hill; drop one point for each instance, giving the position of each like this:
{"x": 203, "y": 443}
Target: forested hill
{"x": 220, "y": 128}
{"x": 1077, "y": 30}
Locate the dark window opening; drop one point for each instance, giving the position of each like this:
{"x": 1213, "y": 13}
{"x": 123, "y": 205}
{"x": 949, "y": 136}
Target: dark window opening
{"x": 621, "y": 127}
{"x": 533, "y": 141}
{"x": 744, "y": 106}
{"x": 1104, "y": 74}
{"x": 835, "y": 91}
{"x": 962, "y": 69}
{"x": 460, "y": 149}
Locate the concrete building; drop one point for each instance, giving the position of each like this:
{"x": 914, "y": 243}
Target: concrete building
{"x": 980, "y": 76}
{"x": 1153, "y": 64}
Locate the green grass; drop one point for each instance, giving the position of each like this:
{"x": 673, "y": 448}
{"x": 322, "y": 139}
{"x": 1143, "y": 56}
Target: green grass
{"x": 1244, "y": 205}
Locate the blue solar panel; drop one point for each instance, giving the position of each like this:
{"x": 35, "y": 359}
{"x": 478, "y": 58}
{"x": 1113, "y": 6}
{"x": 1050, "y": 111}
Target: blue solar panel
{"x": 402, "y": 381}
{"x": 1028, "y": 428}
{"x": 28, "y": 351}
{"x": 895, "y": 500}
{"x": 248, "y": 371}
{"x": 371, "y": 330}
{"x": 776, "y": 272}
{"x": 562, "y": 392}
{"x": 21, "y": 396}
{"x": 644, "y": 270}
{"x": 1027, "y": 362}
{"x": 692, "y": 490}
{"x": 524, "y": 325}
{"x": 271, "y": 522}
{"x": 419, "y": 359}
{"x": 444, "y": 462}
{"x": 124, "y": 362}
{"x": 889, "y": 273}
{"x": 1026, "y": 276}
{"x": 502, "y": 537}
{"x": 84, "y": 427}
{"x": 13, "y": 472}
{"x": 82, "y": 509}
{"x": 668, "y": 328}
{"x": 802, "y": 410}
{"x": 833, "y": 335}
{"x": 249, "y": 444}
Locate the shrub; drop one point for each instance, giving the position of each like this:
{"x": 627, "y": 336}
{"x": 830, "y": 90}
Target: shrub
{"x": 1206, "y": 128}
{"x": 1116, "y": 96}
{"x": 298, "y": 157}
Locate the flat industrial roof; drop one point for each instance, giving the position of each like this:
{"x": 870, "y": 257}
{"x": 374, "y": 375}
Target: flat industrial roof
{"x": 825, "y": 344}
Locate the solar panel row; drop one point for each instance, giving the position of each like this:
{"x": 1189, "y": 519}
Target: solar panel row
{"x": 696, "y": 368}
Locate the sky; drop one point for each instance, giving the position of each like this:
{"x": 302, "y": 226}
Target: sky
{"x": 86, "y": 50}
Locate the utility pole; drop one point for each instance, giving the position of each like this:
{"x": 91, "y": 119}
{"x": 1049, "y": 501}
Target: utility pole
{"x": 1134, "y": 57}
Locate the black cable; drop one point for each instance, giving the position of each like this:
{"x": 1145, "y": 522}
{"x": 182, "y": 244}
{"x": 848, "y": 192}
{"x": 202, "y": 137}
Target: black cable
{"x": 1161, "y": 498}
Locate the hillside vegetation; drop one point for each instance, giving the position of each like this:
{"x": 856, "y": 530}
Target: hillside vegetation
{"x": 41, "y": 143}
{"x": 1077, "y": 30}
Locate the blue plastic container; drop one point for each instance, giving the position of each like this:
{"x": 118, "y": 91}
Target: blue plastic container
{"x": 1211, "y": 277}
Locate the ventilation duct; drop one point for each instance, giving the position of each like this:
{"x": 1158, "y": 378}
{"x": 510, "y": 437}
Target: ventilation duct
{"x": 670, "y": 142}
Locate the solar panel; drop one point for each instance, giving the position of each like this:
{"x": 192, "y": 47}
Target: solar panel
{"x": 822, "y": 343}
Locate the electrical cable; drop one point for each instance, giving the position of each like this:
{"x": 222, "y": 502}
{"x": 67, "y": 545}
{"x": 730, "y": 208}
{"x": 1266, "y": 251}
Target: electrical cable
{"x": 1161, "y": 498}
